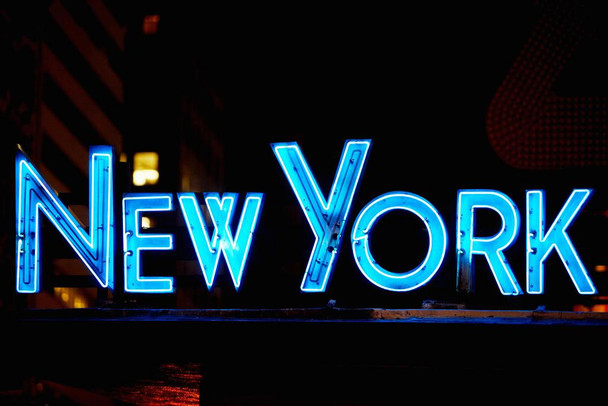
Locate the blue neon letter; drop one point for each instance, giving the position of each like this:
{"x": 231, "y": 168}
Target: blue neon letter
{"x": 366, "y": 220}
{"x": 326, "y": 217}
{"x": 95, "y": 247}
{"x": 134, "y": 242}
{"x": 208, "y": 249}
{"x": 540, "y": 244}
{"x": 467, "y": 244}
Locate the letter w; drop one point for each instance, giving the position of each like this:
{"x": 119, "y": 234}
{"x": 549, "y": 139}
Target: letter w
{"x": 234, "y": 248}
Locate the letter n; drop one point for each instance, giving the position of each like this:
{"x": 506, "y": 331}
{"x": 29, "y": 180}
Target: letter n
{"x": 95, "y": 247}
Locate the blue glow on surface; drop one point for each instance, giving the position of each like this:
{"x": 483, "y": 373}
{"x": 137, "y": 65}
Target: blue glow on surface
{"x": 467, "y": 244}
{"x": 325, "y": 217}
{"x": 134, "y": 242}
{"x": 208, "y": 248}
{"x": 540, "y": 244}
{"x": 34, "y": 195}
{"x": 367, "y": 218}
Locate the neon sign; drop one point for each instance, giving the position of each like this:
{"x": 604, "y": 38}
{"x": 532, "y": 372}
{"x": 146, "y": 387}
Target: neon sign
{"x": 367, "y": 218}
{"x": 208, "y": 248}
{"x": 540, "y": 244}
{"x": 134, "y": 242}
{"x": 327, "y": 217}
{"x": 467, "y": 244}
{"x": 34, "y": 196}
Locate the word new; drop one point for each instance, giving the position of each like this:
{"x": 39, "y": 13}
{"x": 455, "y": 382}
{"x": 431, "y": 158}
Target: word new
{"x": 327, "y": 217}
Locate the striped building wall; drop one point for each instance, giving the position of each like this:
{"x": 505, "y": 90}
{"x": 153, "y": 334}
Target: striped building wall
{"x": 61, "y": 91}
{"x": 82, "y": 89}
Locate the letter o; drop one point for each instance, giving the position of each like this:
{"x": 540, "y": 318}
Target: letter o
{"x": 367, "y": 218}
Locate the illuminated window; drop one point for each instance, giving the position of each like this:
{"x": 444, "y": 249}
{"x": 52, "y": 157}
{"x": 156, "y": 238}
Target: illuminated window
{"x": 71, "y": 298}
{"x": 600, "y": 308}
{"x": 150, "y": 25}
{"x": 601, "y": 268}
{"x": 146, "y": 222}
{"x": 145, "y": 168}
